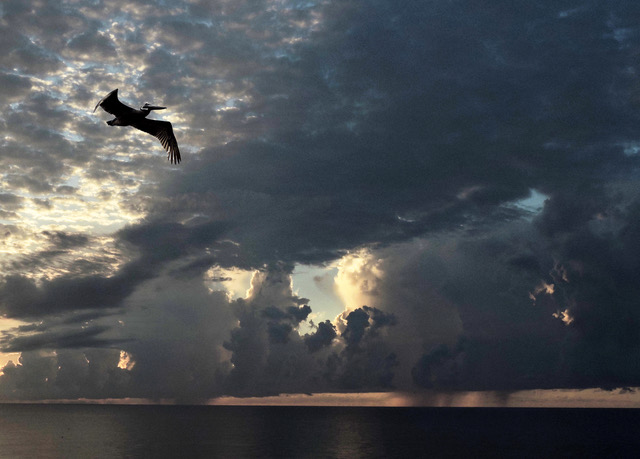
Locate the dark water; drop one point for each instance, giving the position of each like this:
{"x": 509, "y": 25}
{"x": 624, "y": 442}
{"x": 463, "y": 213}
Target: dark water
{"x": 89, "y": 431}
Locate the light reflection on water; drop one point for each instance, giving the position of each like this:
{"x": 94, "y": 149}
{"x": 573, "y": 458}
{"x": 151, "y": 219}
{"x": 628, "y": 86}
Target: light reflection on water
{"x": 107, "y": 431}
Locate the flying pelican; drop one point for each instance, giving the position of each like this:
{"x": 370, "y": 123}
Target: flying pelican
{"x": 127, "y": 116}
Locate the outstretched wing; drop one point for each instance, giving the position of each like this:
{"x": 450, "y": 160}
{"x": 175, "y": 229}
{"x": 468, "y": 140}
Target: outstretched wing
{"x": 163, "y": 131}
{"x": 111, "y": 104}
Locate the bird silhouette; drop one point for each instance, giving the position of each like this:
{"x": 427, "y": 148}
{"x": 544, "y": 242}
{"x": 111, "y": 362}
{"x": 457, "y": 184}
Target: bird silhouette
{"x": 128, "y": 116}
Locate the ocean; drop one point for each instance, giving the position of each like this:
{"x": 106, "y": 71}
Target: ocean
{"x": 124, "y": 431}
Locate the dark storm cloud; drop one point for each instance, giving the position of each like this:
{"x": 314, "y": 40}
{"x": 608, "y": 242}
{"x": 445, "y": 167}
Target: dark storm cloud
{"x": 159, "y": 244}
{"x": 281, "y": 323}
{"x": 65, "y": 374}
{"x": 490, "y": 113}
{"x": 367, "y": 362}
{"x": 313, "y": 130}
{"x": 438, "y": 367}
{"x": 164, "y": 241}
{"x": 357, "y": 323}
{"x": 77, "y": 338}
{"x": 323, "y": 336}
{"x": 21, "y": 297}
{"x": 292, "y": 313}
{"x": 299, "y": 313}
{"x": 596, "y": 276}
{"x": 268, "y": 357}
{"x": 453, "y": 114}
{"x": 264, "y": 351}
{"x": 579, "y": 327}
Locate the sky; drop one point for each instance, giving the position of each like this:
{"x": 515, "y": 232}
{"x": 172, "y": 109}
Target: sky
{"x": 375, "y": 197}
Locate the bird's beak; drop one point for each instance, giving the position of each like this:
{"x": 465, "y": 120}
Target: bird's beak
{"x": 155, "y": 107}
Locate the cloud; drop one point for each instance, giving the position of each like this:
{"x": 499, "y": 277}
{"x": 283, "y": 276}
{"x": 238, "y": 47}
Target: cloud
{"x": 265, "y": 353}
{"x": 176, "y": 331}
{"x": 595, "y": 277}
{"x": 91, "y": 45}
{"x": 86, "y": 337}
{"x": 364, "y": 320}
{"x": 391, "y": 141}
{"x": 64, "y": 374}
{"x": 323, "y": 336}
{"x": 415, "y": 191}
{"x": 366, "y": 361}
{"x": 14, "y": 87}
{"x": 270, "y": 357}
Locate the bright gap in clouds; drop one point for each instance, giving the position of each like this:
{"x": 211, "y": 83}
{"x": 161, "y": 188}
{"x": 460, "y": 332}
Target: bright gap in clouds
{"x": 534, "y": 203}
{"x": 5, "y": 357}
{"x": 235, "y": 282}
{"x": 317, "y": 284}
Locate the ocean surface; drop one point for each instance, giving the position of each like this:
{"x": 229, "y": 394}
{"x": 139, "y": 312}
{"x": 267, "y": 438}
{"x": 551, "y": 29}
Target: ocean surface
{"x": 108, "y": 431}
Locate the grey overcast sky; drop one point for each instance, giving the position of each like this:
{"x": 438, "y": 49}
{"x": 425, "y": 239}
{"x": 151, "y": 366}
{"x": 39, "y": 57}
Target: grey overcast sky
{"x": 375, "y": 196}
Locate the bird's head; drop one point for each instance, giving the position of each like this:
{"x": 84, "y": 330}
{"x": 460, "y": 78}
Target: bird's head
{"x": 148, "y": 107}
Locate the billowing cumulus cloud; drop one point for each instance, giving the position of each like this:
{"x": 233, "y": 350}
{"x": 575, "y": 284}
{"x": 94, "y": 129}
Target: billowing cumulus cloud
{"x": 398, "y": 147}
